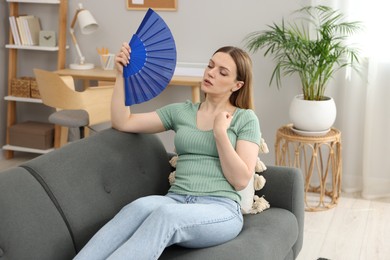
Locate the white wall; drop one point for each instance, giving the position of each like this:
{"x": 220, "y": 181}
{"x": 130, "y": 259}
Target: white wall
{"x": 199, "y": 28}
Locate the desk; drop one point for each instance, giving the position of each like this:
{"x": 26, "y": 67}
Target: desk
{"x": 109, "y": 75}
{"x": 320, "y": 155}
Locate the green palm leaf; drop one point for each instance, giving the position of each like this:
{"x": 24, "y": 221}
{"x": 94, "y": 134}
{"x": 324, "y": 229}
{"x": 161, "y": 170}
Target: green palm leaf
{"x": 315, "y": 58}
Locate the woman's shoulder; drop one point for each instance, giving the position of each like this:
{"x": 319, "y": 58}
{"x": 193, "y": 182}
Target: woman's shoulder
{"x": 247, "y": 125}
{"x": 181, "y": 105}
{"x": 246, "y": 114}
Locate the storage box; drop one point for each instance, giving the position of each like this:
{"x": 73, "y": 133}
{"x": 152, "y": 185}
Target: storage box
{"x": 20, "y": 87}
{"x": 25, "y": 87}
{"x": 32, "y": 135}
{"x": 34, "y": 88}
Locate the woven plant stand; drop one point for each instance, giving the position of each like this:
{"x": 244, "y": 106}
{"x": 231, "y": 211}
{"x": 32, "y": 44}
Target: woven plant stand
{"x": 319, "y": 157}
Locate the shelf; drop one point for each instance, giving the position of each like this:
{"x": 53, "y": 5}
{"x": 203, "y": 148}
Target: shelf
{"x": 23, "y": 99}
{"x": 25, "y": 149}
{"x": 14, "y": 51}
{"x": 35, "y": 1}
{"x": 32, "y": 47}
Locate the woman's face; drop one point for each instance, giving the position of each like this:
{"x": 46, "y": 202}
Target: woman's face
{"x": 220, "y": 75}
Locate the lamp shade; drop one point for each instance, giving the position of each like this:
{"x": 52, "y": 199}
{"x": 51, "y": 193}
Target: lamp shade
{"x": 87, "y": 22}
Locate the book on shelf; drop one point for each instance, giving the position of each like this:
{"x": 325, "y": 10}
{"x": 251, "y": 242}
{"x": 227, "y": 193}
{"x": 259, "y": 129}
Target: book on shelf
{"x": 27, "y": 29}
{"x": 14, "y": 30}
{"x": 21, "y": 30}
{"x": 33, "y": 27}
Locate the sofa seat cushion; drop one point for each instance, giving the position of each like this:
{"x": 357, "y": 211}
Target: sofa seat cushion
{"x": 278, "y": 229}
{"x": 30, "y": 224}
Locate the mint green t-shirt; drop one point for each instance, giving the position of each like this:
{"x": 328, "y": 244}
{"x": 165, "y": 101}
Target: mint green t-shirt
{"x": 198, "y": 169}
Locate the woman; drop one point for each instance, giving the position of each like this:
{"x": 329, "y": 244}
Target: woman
{"x": 217, "y": 142}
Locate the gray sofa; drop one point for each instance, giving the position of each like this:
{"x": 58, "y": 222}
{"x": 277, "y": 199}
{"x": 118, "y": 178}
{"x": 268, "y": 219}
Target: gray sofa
{"x": 52, "y": 205}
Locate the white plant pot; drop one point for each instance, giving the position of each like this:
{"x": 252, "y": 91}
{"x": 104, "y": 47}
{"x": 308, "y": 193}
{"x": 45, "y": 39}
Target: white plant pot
{"x": 312, "y": 116}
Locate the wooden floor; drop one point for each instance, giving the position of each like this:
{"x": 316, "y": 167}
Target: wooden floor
{"x": 356, "y": 229}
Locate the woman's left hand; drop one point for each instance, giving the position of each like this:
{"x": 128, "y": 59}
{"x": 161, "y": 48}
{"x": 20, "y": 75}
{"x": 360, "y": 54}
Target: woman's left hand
{"x": 222, "y": 122}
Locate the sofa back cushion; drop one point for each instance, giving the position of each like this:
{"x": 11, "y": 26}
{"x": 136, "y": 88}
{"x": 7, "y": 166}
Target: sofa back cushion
{"x": 30, "y": 225}
{"x": 92, "y": 179}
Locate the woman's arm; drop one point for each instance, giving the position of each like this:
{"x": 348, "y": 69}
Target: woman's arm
{"x": 238, "y": 165}
{"x": 121, "y": 116}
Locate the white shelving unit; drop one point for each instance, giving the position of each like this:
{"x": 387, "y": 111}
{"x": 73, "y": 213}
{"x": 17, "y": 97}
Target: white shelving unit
{"x": 12, "y": 65}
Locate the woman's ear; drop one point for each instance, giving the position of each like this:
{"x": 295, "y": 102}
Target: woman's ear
{"x": 239, "y": 85}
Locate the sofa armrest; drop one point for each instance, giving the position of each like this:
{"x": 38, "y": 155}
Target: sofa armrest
{"x": 284, "y": 189}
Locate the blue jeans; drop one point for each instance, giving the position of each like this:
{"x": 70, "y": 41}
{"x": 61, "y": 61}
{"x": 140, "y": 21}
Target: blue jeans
{"x": 143, "y": 228}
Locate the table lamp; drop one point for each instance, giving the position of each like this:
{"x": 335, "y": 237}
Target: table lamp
{"x": 87, "y": 25}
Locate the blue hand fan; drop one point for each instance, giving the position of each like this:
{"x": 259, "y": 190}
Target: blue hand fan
{"x": 152, "y": 62}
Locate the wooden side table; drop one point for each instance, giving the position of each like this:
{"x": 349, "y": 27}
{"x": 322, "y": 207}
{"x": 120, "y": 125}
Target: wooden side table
{"x": 320, "y": 155}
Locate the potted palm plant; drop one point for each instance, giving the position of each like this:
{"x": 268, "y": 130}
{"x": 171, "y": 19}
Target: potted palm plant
{"x": 313, "y": 46}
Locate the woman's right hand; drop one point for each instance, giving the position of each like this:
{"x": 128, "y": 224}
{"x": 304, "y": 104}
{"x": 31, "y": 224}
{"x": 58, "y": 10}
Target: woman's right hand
{"x": 123, "y": 57}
